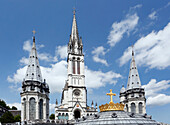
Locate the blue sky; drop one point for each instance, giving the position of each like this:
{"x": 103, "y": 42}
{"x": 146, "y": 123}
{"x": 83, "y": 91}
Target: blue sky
{"x": 108, "y": 29}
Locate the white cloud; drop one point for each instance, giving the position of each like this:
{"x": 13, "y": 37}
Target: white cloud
{"x": 152, "y": 15}
{"x": 136, "y": 6}
{"x": 153, "y": 91}
{"x": 61, "y": 51}
{"x": 27, "y": 46}
{"x": 96, "y": 79}
{"x": 153, "y": 87}
{"x": 52, "y": 108}
{"x": 151, "y": 50}
{"x": 45, "y": 57}
{"x": 123, "y": 27}
{"x": 24, "y": 61}
{"x": 56, "y": 75}
{"x": 163, "y": 99}
{"x": 99, "y": 51}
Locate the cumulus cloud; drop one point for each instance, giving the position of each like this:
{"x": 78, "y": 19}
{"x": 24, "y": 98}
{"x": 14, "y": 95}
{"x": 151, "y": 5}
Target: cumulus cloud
{"x": 24, "y": 61}
{"x": 61, "y": 51}
{"x": 96, "y": 79}
{"x": 27, "y": 46}
{"x": 56, "y": 75}
{"x": 151, "y": 50}
{"x": 152, "y": 15}
{"x": 121, "y": 28}
{"x": 153, "y": 91}
{"x": 99, "y": 51}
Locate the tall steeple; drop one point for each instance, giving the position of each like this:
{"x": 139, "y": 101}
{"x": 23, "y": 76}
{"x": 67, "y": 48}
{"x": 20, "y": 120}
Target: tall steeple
{"x": 133, "y": 79}
{"x": 33, "y": 71}
{"x": 75, "y": 45}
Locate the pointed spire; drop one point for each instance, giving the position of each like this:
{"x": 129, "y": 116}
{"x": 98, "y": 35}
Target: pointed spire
{"x": 75, "y": 44}
{"x": 74, "y": 32}
{"x": 133, "y": 79}
{"x": 33, "y": 71}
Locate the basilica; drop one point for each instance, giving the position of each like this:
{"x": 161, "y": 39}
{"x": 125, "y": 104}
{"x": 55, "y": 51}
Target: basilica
{"x": 73, "y": 106}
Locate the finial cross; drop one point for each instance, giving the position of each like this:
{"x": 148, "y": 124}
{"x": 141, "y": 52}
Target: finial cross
{"x": 111, "y": 94}
{"x": 33, "y": 32}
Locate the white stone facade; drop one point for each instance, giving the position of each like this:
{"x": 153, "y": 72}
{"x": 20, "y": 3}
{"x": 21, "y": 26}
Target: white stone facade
{"x": 74, "y": 95}
{"x": 133, "y": 96}
{"x": 35, "y": 93}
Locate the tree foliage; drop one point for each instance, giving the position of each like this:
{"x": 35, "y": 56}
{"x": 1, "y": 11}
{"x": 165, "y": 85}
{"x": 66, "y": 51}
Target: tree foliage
{"x": 17, "y": 118}
{"x": 14, "y": 108}
{"x": 7, "y": 117}
{"x": 52, "y": 116}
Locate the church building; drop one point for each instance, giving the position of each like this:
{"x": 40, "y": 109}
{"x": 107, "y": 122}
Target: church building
{"x": 35, "y": 91}
{"x": 134, "y": 95}
{"x": 74, "y": 94}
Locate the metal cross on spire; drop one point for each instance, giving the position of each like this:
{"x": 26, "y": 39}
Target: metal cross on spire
{"x": 34, "y": 32}
{"x": 111, "y": 94}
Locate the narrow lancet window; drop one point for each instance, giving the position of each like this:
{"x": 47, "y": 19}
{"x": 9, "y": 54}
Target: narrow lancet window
{"x": 74, "y": 71}
{"x": 78, "y": 67}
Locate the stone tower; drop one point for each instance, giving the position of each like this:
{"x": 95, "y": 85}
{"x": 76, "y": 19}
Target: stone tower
{"x": 35, "y": 91}
{"x": 74, "y": 94}
{"x": 133, "y": 96}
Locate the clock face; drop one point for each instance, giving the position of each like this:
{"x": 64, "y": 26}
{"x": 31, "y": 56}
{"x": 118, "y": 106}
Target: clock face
{"x": 76, "y": 92}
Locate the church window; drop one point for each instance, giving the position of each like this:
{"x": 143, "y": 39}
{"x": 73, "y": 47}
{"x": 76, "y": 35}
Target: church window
{"x": 136, "y": 74}
{"x": 132, "y": 83}
{"x": 32, "y": 109}
{"x": 27, "y": 74}
{"x": 127, "y": 109}
{"x": 32, "y": 64}
{"x": 76, "y": 92}
{"x": 37, "y": 66}
{"x": 32, "y": 87}
{"x": 33, "y": 56}
{"x": 24, "y": 108}
{"x": 78, "y": 67}
{"x": 28, "y": 65}
{"x": 140, "y": 108}
{"x": 73, "y": 66}
{"x": 132, "y": 75}
{"x": 132, "y": 68}
{"x": 133, "y": 108}
{"x": 41, "y": 109}
{"x": 38, "y": 75}
{"x": 32, "y": 73}
{"x": 137, "y": 82}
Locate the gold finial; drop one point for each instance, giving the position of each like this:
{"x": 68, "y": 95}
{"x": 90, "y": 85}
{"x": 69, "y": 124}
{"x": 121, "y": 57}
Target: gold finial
{"x": 111, "y": 94}
{"x": 34, "y": 32}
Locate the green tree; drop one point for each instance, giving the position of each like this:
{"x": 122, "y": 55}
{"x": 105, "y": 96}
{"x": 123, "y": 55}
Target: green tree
{"x": 52, "y": 116}
{"x": 17, "y": 118}
{"x": 2, "y": 103}
{"x": 14, "y": 108}
{"x": 7, "y": 117}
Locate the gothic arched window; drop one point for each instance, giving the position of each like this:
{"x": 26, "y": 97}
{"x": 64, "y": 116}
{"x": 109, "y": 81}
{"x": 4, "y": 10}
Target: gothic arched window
{"x": 24, "y": 108}
{"x": 32, "y": 109}
{"x": 127, "y": 108}
{"x": 73, "y": 66}
{"x": 41, "y": 109}
{"x": 133, "y": 108}
{"x": 140, "y": 108}
{"x": 78, "y": 67}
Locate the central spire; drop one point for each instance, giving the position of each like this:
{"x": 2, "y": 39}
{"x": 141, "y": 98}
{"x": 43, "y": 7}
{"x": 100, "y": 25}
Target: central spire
{"x": 74, "y": 32}
{"x": 75, "y": 44}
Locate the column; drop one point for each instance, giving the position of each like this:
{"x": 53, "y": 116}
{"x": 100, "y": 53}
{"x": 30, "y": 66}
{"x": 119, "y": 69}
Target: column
{"x": 37, "y": 109}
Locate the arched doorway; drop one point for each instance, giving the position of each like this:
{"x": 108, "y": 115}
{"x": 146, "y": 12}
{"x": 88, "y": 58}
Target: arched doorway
{"x": 76, "y": 114}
